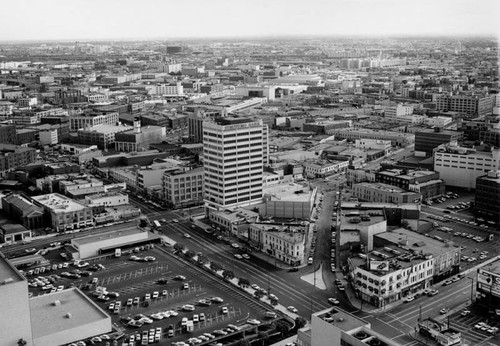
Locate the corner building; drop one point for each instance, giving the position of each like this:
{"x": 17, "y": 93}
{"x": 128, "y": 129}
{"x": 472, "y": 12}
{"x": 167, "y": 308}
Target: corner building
{"x": 233, "y": 151}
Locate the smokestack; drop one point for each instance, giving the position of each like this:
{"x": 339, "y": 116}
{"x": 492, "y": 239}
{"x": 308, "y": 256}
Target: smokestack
{"x": 137, "y": 125}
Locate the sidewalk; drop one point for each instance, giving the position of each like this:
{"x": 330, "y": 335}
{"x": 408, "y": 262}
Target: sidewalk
{"x": 367, "y": 307}
{"x": 262, "y": 256}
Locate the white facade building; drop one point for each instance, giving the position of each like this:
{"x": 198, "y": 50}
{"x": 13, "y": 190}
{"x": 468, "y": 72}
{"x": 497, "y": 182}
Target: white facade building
{"x": 318, "y": 169}
{"x": 166, "y": 89}
{"x": 379, "y": 144}
{"x": 399, "y": 110}
{"x": 232, "y": 153}
{"x": 459, "y": 166}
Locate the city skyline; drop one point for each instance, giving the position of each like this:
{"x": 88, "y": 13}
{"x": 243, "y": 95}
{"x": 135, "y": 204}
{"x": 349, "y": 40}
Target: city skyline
{"x": 155, "y": 19}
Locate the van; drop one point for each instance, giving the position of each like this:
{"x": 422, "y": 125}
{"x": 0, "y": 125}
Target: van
{"x": 271, "y": 314}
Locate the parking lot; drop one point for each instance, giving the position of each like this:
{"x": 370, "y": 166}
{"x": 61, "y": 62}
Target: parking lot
{"x": 163, "y": 297}
{"x": 475, "y": 244}
{"x": 475, "y": 329}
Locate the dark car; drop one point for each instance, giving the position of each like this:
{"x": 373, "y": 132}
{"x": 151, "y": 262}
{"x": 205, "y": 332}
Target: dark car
{"x": 293, "y": 270}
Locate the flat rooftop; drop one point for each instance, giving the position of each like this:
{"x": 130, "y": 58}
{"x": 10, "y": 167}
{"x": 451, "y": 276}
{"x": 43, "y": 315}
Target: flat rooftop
{"x": 59, "y": 203}
{"x": 341, "y": 319}
{"x": 108, "y": 235}
{"x": 52, "y": 317}
{"x": 8, "y": 271}
{"x": 363, "y": 206}
{"x": 288, "y": 192}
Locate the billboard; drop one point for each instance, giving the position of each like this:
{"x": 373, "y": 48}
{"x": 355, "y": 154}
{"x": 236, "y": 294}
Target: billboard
{"x": 488, "y": 282}
{"x": 379, "y": 265}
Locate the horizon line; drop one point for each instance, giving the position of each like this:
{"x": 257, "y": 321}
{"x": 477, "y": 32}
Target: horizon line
{"x": 255, "y": 37}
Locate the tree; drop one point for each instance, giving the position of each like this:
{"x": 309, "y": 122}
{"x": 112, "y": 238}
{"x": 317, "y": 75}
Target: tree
{"x": 258, "y": 294}
{"x": 179, "y": 246}
{"x": 228, "y": 274}
{"x": 242, "y": 282}
{"x": 21, "y": 342}
{"x": 202, "y": 259}
{"x": 274, "y": 302}
{"x": 282, "y": 327}
{"x": 215, "y": 266}
{"x": 190, "y": 254}
{"x": 300, "y": 322}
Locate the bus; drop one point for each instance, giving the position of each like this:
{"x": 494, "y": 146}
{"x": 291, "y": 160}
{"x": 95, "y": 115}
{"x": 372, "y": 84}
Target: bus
{"x": 156, "y": 223}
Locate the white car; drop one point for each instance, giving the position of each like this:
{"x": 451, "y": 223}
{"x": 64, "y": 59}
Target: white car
{"x": 238, "y": 256}
{"x": 409, "y": 299}
{"x": 186, "y": 235}
{"x": 235, "y": 245}
{"x": 292, "y": 309}
{"x": 253, "y": 321}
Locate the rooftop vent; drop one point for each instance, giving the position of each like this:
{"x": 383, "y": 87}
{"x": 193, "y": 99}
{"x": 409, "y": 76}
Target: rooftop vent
{"x": 360, "y": 335}
{"x": 56, "y": 302}
{"x": 7, "y": 281}
{"x": 68, "y": 315}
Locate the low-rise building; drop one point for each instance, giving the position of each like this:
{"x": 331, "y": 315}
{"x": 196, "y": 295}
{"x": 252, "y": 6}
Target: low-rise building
{"x": 64, "y": 213}
{"x": 401, "y": 263}
{"x": 23, "y": 210}
{"x": 323, "y": 169}
{"x": 139, "y": 138}
{"x": 335, "y": 326}
{"x": 286, "y": 243}
{"x": 396, "y": 138}
{"x": 11, "y": 233}
{"x": 461, "y": 166}
{"x": 107, "y": 199}
{"x": 288, "y": 201}
{"x": 12, "y": 156}
{"x": 94, "y": 245}
{"x": 384, "y": 193}
{"x": 183, "y": 186}
{"x": 426, "y": 183}
{"x": 101, "y": 135}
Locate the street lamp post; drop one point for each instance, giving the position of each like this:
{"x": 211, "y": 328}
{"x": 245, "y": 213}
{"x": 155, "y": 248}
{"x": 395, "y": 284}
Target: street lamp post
{"x": 471, "y": 289}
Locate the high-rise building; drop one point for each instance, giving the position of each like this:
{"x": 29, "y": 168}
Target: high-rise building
{"x": 233, "y": 152}
{"x": 488, "y": 196}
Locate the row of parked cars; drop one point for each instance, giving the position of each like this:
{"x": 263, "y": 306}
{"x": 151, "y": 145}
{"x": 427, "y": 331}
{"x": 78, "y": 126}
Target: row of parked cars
{"x": 483, "y": 326}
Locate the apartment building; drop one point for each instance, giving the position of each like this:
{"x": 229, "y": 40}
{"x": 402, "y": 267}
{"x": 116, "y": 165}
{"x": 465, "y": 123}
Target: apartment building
{"x": 183, "y": 186}
{"x": 461, "y": 166}
{"x": 64, "y": 213}
{"x": 232, "y": 153}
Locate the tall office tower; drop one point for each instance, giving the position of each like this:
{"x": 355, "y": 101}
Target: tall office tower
{"x": 233, "y": 156}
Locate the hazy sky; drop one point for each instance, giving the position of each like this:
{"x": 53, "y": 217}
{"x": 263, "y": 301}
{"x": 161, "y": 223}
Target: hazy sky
{"x": 108, "y": 19}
